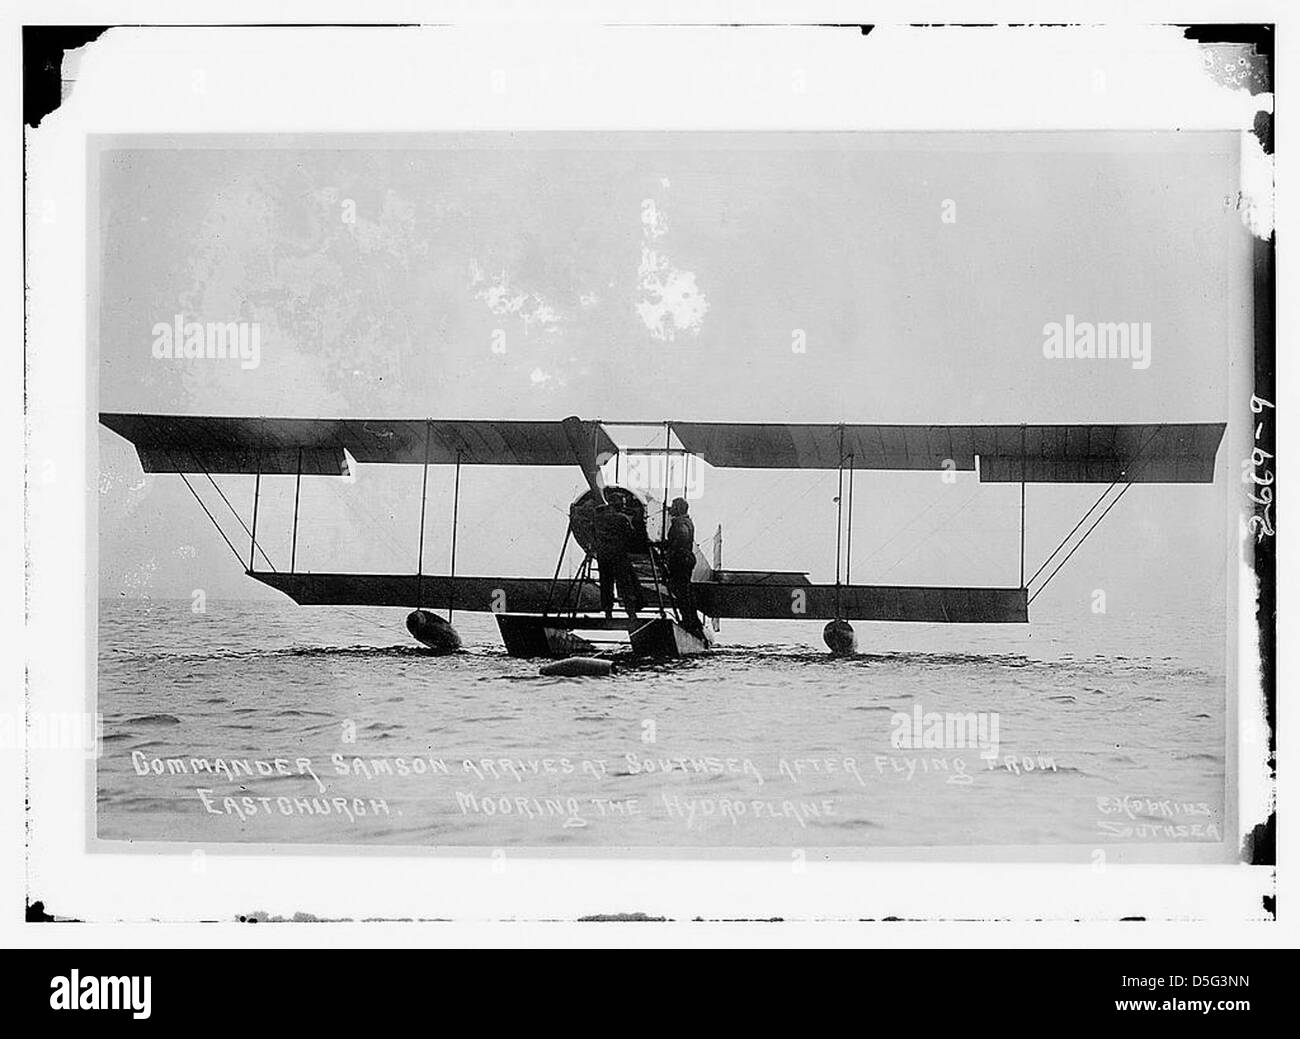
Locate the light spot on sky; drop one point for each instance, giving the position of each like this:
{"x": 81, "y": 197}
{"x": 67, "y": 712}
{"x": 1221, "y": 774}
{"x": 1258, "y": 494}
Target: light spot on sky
{"x": 139, "y": 580}
{"x": 671, "y": 303}
{"x": 535, "y": 312}
{"x": 653, "y": 220}
{"x": 675, "y": 303}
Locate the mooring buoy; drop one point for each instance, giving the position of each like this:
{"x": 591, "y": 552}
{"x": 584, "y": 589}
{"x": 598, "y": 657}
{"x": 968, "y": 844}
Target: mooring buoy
{"x": 578, "y": 667}
{"x": 840, "y": 638}
{"x": 432, "y": 631}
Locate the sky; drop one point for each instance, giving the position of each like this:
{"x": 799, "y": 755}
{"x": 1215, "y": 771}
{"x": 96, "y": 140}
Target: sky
{"x": 879, "y": 277}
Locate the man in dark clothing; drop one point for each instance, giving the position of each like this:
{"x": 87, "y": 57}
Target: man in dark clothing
{"x": 679, "y": 547}
{"x": 612, "y": 533}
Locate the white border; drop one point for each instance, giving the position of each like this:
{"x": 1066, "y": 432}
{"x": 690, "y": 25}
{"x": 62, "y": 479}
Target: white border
{"x": 712, "y": 89}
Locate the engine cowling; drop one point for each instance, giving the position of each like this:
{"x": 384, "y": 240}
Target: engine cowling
{"x": 646, "y": 521}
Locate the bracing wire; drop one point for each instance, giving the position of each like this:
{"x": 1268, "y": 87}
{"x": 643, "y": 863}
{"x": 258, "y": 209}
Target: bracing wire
{"x": 1082, "y": 520}
{"x": 212, "y": 518}
{"x": 1081, "y": 541}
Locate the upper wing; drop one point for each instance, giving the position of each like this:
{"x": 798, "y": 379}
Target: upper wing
{"x": 1091, "y": 453}
{"x": 315, "y": 447}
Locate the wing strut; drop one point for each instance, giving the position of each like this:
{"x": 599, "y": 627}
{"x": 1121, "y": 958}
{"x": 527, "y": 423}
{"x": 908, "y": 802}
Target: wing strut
{"x": 455, "y": 516}
{"x": 257, "y": 496}
{"x": 297, "y": 491}
{"x": 1022, "y": 506}
{"x": 839, "y": 524}
{"x": 663, "y": 518}
{"x": 838, "y": 634}
{"x": 234, "y": 512}
{"x": 848, "y": 548}
{"x": 424, "y": 501}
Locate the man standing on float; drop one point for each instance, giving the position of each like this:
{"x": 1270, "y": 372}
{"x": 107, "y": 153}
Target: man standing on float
{"x": 679, "y": 548}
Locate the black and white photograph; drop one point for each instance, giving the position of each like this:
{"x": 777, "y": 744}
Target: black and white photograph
{"x": 767, "y": 490}
{"x": 550, "y": 471}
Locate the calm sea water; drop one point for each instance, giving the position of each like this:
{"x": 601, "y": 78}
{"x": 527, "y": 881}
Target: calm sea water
{"x": 1108, "y": 732}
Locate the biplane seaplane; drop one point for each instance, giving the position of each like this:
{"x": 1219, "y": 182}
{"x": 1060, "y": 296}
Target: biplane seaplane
{"x": 558, "y": 616}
